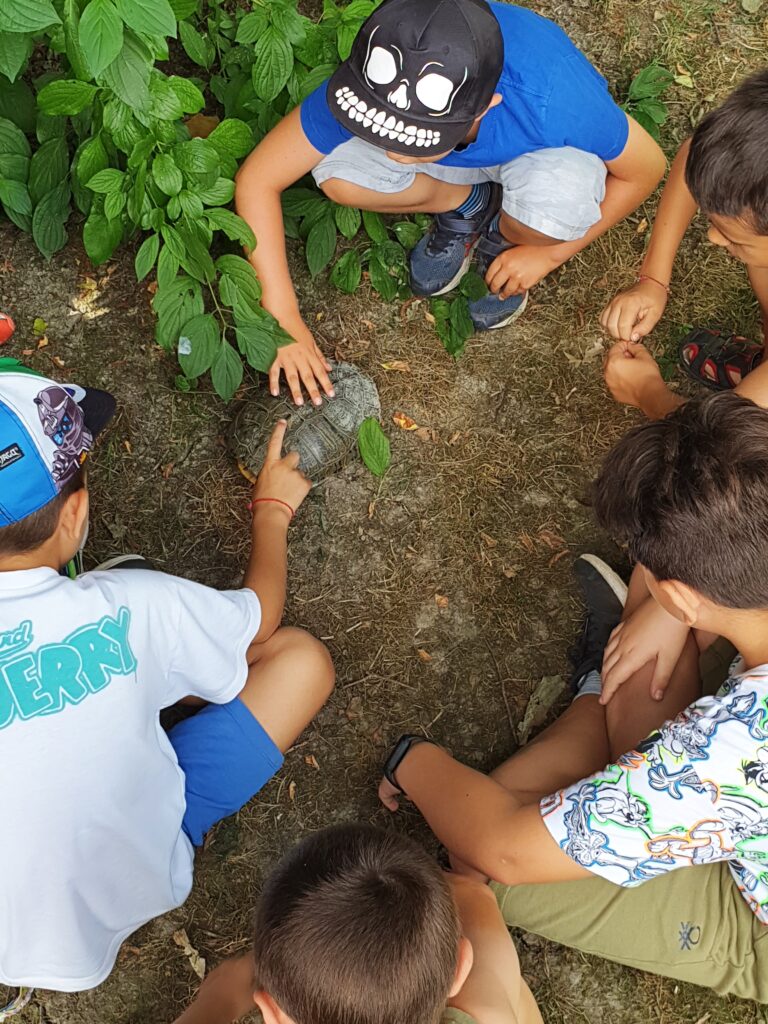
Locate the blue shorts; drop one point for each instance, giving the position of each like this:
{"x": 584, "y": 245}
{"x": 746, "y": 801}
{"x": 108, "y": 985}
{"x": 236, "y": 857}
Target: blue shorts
{"x": 226, "y": 757}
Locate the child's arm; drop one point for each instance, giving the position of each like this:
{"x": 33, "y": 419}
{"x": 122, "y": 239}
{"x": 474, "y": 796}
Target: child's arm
{"x": 494, "y": 992}
{"x": 480, "y": 821}
{"x": 280, "y": 484}
{"x": 634, "y": 313}
{"x": 225, "y": 995}
{"x": 758, "y": 278}
{"x": 632, "y": 177}
{"x": 281, "y": 158}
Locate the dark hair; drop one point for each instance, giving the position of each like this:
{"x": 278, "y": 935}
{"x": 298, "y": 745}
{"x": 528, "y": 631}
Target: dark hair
{"x": 726, "y": 170}
{"x": 357, "y": 926}
{"x": 32, "y": 531}
{"x": 689, "y": 496}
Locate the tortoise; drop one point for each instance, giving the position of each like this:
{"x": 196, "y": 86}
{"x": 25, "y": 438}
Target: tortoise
{"x": 323, "y": 435}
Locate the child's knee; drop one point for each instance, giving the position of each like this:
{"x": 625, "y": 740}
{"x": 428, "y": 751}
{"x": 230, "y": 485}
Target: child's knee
{"x": 310, "y": 659}
{"x": 337, "y": 190}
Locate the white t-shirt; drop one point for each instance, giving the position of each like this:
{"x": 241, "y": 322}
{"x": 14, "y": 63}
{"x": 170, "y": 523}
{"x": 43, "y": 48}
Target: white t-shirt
{"x": 91, "y": 793}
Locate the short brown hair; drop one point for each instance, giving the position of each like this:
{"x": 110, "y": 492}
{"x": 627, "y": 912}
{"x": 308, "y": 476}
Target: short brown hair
{"x": 32, "y": 531}
{"x": 689, "y": 496}
{"x": 726, "y": 169}
{"x": 357, "y": 926}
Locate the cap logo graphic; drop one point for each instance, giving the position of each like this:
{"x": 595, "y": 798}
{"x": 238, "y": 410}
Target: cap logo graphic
{"x": 62, "y": 421}
{"x": 10, "y": 455}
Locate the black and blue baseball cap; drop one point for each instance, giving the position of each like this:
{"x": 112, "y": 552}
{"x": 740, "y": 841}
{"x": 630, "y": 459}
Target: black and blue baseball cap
{"x": 46, "y": 432}
{"x": 419, "y": 74}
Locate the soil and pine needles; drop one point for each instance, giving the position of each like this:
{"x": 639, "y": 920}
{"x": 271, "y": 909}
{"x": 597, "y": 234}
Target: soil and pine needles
{"x": 443, "y": 589}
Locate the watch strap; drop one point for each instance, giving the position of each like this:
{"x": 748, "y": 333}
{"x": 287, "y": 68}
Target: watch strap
{"x": 398, "y": 753}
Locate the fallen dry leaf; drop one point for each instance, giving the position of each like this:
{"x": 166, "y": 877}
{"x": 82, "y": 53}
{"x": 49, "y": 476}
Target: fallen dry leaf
{"x": 526, "y": 541}
{"x": 398, "y": 365}
{"x": 196, "y": 962}
{"x": 368, "y": 324}
{"x": 200, "y": 126}
{"x": 454, "y": 437}
{"x": 551, "y": 539}
{"x": 556, "y": 558}
{"x": 510, "y": 571}
{"x": 642, "y": 227}
{"x": 489, "y": 541}
{"x": 441, "y": 601}
{"x": 43, "y": 342}
{"x": 371, "y": 509}
{"x": 58, "y": 361}
{"x": 426, "y": 434}
{"x": 292, "y": 787}
{"x": 429, "y": 317}
{"x": 404, "y": 422}
{"x": 27, "y": 351}
{"x": 311, "y": 760}
{"x": 166, "y": 470}
{"x": 128, "y": 446}
{"x": 152, "y": 287}
{"x": 424, "y": 656}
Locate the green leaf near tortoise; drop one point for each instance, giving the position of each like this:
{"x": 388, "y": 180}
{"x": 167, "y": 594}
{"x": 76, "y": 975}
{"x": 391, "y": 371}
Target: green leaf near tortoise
{"x": 374, "y": 226}
{"x": 198, "y": 344}
{"x": 100, "y": 35}
{"x": 407, "y": 233}
{"x": 226, "y": 371}
{"x": 232, "y": 137}
{"x": 473, "y": 287}
{"x": 374, "y": 447}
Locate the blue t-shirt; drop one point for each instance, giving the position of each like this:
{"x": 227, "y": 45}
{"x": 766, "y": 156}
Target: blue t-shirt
{"x": 552, "y": 97}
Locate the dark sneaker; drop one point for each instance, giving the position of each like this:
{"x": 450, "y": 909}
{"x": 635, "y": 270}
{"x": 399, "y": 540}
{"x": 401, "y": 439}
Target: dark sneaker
{"x": 491, "y": 312}
{"x": 604, "y": 593}
{"x": 442, "y": 257}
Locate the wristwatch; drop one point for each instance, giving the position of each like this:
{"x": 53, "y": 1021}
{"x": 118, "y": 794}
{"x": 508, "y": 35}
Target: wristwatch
{"x": 400, "y": 749}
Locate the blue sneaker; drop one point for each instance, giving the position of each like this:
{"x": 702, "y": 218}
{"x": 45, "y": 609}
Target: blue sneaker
{"x": 491, "y": 312}
{"x": 442, "y": 257}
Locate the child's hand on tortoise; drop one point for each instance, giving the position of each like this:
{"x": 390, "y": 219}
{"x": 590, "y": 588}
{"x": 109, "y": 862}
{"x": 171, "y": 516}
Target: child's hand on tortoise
{"x": 280, "y": 484}
{"x": 633, "y": 314}
{"x": 516, "y": 270}
{"x": 302, "y": 363}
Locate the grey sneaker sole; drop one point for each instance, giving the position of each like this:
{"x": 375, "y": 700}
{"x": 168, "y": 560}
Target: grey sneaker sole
{"x": 614, "y": 581}
{"x": 118, "y": 560}
{"x": 512, "y": 316}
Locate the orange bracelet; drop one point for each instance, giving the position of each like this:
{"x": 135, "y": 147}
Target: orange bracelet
{"x": 277, "y": 501}
{"x": 647, "y": 277}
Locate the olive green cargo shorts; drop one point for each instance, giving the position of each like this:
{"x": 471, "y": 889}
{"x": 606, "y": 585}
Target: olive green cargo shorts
{"x": 692, "y": 924}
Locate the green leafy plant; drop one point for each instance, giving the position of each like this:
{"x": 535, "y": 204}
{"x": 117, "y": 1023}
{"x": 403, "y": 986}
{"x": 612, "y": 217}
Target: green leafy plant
{"x": 643, "y": 101}
{"x": 374, "y": 446}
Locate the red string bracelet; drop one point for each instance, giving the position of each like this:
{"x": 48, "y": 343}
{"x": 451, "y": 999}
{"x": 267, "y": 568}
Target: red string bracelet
{"x": 647, "y": 277}
{"x": 277, "y": 501}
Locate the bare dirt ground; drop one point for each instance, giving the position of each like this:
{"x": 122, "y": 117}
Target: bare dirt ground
{"x": 444, "y": 594}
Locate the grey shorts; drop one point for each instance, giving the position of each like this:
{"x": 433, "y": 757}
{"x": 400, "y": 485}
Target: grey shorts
{"x": 555, "y": 191}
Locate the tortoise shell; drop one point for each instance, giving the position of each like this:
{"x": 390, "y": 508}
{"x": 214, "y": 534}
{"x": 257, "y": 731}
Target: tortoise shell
{"x": 322, "y": 435}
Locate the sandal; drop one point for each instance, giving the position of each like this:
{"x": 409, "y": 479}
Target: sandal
{"x": 718, "y": 360}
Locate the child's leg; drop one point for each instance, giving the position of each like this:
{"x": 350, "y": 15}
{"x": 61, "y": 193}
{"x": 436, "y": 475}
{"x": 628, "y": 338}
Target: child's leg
{"x": 229, "y": 751}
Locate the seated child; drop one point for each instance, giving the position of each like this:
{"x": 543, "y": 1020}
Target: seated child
{"x": 721, "y": 170}
{"x": 686, "y": 784}
{"x": 360, "y": 926}
{"x": 484, "y": 114}
{"x": 103, "y": 809}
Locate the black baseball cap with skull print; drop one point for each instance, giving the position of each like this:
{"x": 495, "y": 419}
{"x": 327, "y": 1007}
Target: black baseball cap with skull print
{"x": 419, "y": 74}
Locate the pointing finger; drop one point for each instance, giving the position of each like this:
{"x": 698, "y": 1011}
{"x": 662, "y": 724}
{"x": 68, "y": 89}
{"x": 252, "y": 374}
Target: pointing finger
{"x": 275, "y": 446}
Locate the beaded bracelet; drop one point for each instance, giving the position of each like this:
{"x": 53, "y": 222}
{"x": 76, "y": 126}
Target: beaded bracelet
{"x": 277, "y": 501}
{"x": 647, "y": 277}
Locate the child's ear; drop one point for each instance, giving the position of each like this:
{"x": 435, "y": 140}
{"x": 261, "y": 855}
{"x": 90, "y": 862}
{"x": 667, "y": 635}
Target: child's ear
{"x": 270, "y": 1011}
{"x": 463, "y": 966}
{"x": 685, "y": 599}
{"x": 74, "y": 515}
{"x": 496, "y": 99}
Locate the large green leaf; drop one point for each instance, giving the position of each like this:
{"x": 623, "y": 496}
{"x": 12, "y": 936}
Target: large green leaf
{"x": 101, "y": 237}
{"x": 49, "y": 167}
{"x": 149, "y": 17}
{"x": 347, "y": 273}
{"x": 12, "y": 139}
{"x": 49, "y": 218}
{"x": 219, "y": 194}
{"x": 65, "y": 97}
{"x": 187, "y": 93}
{"x": 374, "y": 226}
{"x": 256, "y": 340}
{"x": 17, "y": 103}
{"x": 146, "y": 256}
{"x": 167, "y": 267}
{"x": 321, "y": 243}
{"x": 197, "y": 156}
{"x": 100, "y": 35}
{"x": 273, "y": 64}
{"x": 196, "y": 46}
{"x": 232, "y": 138}
{"x": 27, "y": 15}
{"x": 14, "y": 195}
{"x": 234, "y": 227}
{"x": 90, "y": 159}
{"x": 252, "y": 26}
{"x": 374, "y": 446}
{"x": 183, "y": 8}
{"x": 226, "y": 371}
{"x": 347, "y": 220}
{"x": 15, "y": 47}
{"x": 107, "y": 181}
{"x": 167, "y": 175}
{"x": 176, "y": 301}
{"x": 14, "y": 167}
{"x": 198, "y": 344}
{"x": 128, "y": 74}
{"x": 72, "y": 47}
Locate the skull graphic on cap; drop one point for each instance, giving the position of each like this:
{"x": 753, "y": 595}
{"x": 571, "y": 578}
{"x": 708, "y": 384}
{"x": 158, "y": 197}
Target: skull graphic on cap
{"x": 62, "y": 421}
